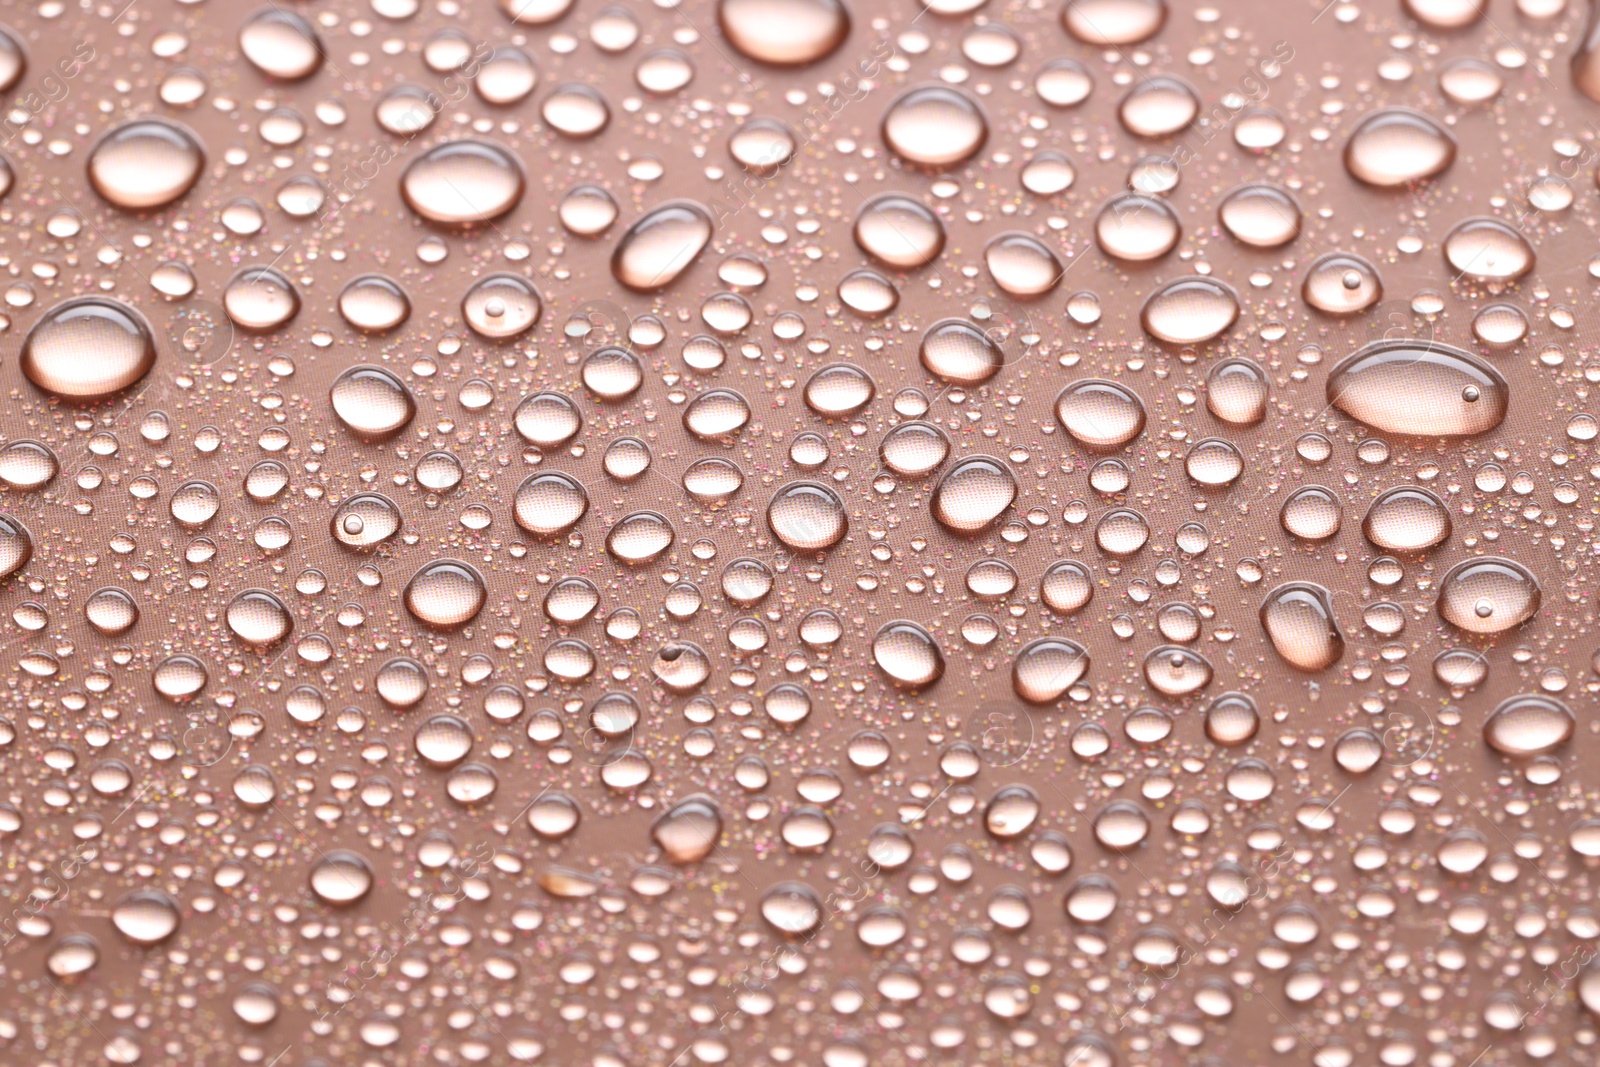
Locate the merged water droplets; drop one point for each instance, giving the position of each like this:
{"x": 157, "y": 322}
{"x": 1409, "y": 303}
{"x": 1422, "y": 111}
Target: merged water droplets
{"x": 1420, "y": 388}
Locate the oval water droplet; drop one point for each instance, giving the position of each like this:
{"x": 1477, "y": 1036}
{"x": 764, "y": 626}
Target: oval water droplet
{"x": 1312, "y": 513}
{"x": 1046, "y": 668}
{"x": 547, "y": 419}
{"x": 807, "y": 516}
{"x": 88, "y": 348}
{"x": 365, "y": 520}
{"x": 1136, "y": 228}
{"x": 341, "y": 877}
{"x": 281, "y": 44}
{"x": 260, "y": 299}
{"x": 145, "y": 164}
{"x": 937, "y": 126}
{"x": 1487, "y": 250}
{"x": 1488, "y": 595}
{"x": 784, "y": 33}
{"x": 1159, "y": 105}
{"x": 973, "y": 494}
{"x": 908, "y": 654}
{"x": 1341, "y": 283}
{"x": 661, "y": 245}
{"x": 838, "y": 389}
{"x": 913, "y": 449}
{"x": 1419, "y": 388}
{"x": 258, "y": 618}
{"x": 1113, "y": 22}
{"x": 550, "y": 503}
{"x": 1022, "y": 265}
{"x": 1298, "y": 620}
{"x": 1396, "y": 146}
{"x": 372, "y": 403}
{"x": 716, "y": 415}
{"x": 1175, "y": 671}
{"x": 1100, "y": 415}
{"x": 1260, "y": 215}
{"x": 461, "y": 183}
{"x": 640, "y": 537}
{"x": 1406, "y": 519}
{"x": 445, "y": 594}
{"x": 1188, "y": 311}
{"x": 960, "y": 353}
{"x": 374, "y": 303}
{"x": 1213, "y": 462}
{"x": 1528, "y": 725}
{"x": 898, "y": 231}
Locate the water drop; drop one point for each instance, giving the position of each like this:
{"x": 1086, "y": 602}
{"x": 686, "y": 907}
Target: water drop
{"x": 973, "y": 494}
{"x": 260, "y": 299}
{"x": 1113, "y": 22}
{"x": 145, "y": 164}
{"x": 1260, "y": 215}
{"x": 784, "y": 33}
{"x": 898, "y": 231}
{"x": 1298, "y": 620}
{"x": 640, "y": 537}
{"x": 88, "y": 348}
{"x": 374, "y": 303}
{"x": 1406, "y": 519}
{"x": 258, "y": 618}
{"x": 1487, "y": 250}
{"x": 1312, "y": 513}
{"x": 372, "y": 403}
{"x": 1488, "y": 595}
{"x": 1397, "y": 146}
{"x": 1022, "y": 265}
{"x": 936, "y": 126}
{"x": 960, "y": 353}
{"x": 460, "y": 183}
{"x": 281, "y": 44}
{"x": 1188, "y": 311}
{"x": 908, "y": 654}
{"x": 1136, "y": 228}
{"x": 1421, "y": 388}
{"x": 807, "y": 516}
{"x": 1100, "y": 415}
{"x": 445, "y": 594}
{"x": 550, "y": 503}
{"x": 1046, "y": 668}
